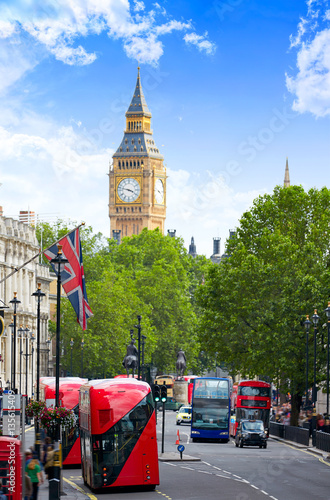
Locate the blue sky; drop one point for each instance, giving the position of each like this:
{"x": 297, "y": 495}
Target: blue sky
{"x": 234, "y": 87}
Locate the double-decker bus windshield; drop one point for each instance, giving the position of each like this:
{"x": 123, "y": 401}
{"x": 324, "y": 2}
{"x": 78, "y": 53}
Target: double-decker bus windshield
{"x": 245, "y": 390}
{"x": 211, "y": 407}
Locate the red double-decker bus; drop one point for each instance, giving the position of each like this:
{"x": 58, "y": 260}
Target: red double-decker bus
{"x": 253, "y": 402}
{"x": 69, "y": 397}
{"x": 118, "y": 434}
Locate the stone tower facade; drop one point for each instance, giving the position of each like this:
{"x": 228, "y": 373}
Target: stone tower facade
{"x": 137, "y": 176}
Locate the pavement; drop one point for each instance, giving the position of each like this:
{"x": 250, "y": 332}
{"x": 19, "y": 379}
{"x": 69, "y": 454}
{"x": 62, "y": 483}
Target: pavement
{"x": 311, "y": 449}
{"x": 68, "y": 488}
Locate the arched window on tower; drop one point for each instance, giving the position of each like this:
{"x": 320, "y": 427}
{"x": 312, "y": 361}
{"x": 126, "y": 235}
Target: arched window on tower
{"x": 141, "y": 148}
{"x": 135, "y": 148}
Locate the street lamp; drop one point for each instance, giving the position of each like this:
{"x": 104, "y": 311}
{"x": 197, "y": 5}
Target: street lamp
{"x": 327, "y": 312}
{"x": 71, "y": 345}
{"x": 48, "y": 341}
{"x": 307, "y": 324}
{"x": 82, "y": 357}
{"x": 143, "y": 344}
{"x": 39, "y": 296}
{"x": 138, "y": 326}
{"x": 26, "y": 359}
{"x": 20, "y": 336}
{"x": 32, "y": 351}
{"x": 315, "y": 319}
{"x": 11, "y": 326}
{"x": 15, "y": 303}
{"x": 59, "y": 264}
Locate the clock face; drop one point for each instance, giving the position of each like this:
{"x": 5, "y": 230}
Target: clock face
{"x": 159, "y": 191}
{"x": 128, "y": 190}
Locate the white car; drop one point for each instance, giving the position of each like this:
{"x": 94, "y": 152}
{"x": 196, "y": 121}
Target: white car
{"x": 183, "y": 416}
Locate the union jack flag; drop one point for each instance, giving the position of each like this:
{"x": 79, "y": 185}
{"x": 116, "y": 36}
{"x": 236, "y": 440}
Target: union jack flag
{"x": 72, "y": 277}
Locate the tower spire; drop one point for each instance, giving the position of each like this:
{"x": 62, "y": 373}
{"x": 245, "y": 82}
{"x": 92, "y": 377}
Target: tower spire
{"x": 287, "y": 175}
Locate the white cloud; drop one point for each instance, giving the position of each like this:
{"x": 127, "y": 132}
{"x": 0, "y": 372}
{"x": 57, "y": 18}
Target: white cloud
{"x": 311, "y": 83}
{"x": 56, "y": 26}
{"x": 201, "y": 42}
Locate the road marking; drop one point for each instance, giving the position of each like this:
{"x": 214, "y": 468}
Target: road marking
{"x": 172, "y": 465}
{"x": 92, "y": 497}
{"x": 264, "y": 492}
{"x": 310, "y": 453}
{"x": 239, "y": 477}
{"x": 255, "y": 487}
{"x": 205, "y": 472}
{"x": 163, "y": 495}
{"x": 189, "y": 468}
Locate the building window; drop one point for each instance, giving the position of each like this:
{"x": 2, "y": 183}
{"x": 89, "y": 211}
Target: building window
{"x": 139, "y": 141}
{"x": 141, "y": 148}
{"x": 135, "y": 148}
{"x": 132, "y": 141}
{"x": 127, "y": 149}
{"x": 125, "y": 141}
{"x": 120, "y": 149}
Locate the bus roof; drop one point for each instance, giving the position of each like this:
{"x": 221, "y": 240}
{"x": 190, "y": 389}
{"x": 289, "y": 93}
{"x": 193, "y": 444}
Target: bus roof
{"x": 68, "y": 389}
{"x": 110, "y": 399}
{"x": 254, "y": 383}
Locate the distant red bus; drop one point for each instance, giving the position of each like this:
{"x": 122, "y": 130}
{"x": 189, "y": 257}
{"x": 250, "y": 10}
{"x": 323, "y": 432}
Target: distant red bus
{"x": 190, "y": 380}
{"x": 11, "y": 467}
{"x": 118, "y": 434}
{"x": 69, "y": 397}
{"x": 253, "y": 401}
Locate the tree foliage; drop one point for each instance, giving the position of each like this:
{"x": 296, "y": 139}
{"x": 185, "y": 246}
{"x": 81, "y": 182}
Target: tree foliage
{"x": 149, "y": 275}
{"x": 254, "y": 303}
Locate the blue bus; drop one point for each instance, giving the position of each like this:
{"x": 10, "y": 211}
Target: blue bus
{"x": 210, "y": 409}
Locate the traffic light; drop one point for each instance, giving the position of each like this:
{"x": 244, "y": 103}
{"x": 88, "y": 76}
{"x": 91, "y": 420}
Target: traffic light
{"x": 156, "y": 393}
{"x": 163, "y": 393}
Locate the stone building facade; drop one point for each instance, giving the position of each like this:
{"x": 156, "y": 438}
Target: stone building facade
{"x": 18, "y": 244}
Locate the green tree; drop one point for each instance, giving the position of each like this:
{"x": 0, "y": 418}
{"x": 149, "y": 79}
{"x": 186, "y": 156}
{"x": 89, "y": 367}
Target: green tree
{"x": 149, "y": 274}
{"x": 254, "y": 303}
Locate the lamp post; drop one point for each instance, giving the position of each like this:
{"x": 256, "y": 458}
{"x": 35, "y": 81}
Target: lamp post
{"x": 307, "y": 324}
{"x": 20, "y": 333}
{"x": 54, "y": 484}
{"x": 32, "y": 351}
{"x": 26, "y": 330}
{"x": 216, "y": 368}
{"x": 11, "y": 326}
{"x": 138, "y": 326}
{"x": 143, "y": 344}
{"x": 71, "y": 345}
{"x": 82, "y": 357}
{"x": 48, "y": 341}
{"x": 15, "y": 303}
{"x": 327, "y": 312}
{"x": 39, "y": 296}
{"x": 59, "y": 263}
{"x": 315, "y": 319}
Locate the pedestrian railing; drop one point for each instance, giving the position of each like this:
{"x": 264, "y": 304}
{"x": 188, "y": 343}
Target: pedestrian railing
{"x": 289, "y": 432}
{"x": 296, "y": 434}
{"x": 323, "y": 441}
{"x": 276, "y": 429}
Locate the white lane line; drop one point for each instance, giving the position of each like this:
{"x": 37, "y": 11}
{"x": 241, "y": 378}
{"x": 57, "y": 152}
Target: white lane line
{"x": 239, "y": 477}
{"x": 225, "y": 471}
{"x": 205, "y": 472}
{"x": 206, "y": 463}
{"x": 189, "y": 468}
{"x": 172, "y": 465}
{"x": 255, "y": 487}
{"x": 264, "y": 492}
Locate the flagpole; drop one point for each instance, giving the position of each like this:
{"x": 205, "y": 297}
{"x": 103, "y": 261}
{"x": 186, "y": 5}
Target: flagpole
{"x": 40, "y": 252}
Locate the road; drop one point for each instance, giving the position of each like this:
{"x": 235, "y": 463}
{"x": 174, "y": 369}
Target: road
{"x": 280, "y": 472}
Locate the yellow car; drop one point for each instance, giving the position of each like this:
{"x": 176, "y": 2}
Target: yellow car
{"x": 183, "y": 415}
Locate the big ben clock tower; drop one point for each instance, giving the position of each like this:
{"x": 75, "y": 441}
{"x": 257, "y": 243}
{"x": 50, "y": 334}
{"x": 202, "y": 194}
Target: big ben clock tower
{"x": 137, "y": 190}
